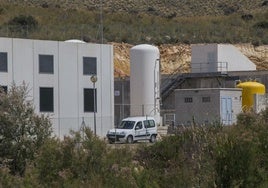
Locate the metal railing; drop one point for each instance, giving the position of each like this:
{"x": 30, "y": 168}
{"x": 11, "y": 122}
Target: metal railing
{"x": 209, "y": 67}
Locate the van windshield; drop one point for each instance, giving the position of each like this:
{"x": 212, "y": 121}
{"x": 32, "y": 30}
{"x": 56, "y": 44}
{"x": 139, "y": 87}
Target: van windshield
{"x": 126, "y": 125}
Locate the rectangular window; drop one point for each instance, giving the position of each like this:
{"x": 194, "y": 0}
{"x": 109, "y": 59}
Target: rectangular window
{"x": 46, "y": 64}
{"x": 46, "y": 99}
{"x": 149, "y": 123}
{"x": 205, "y": 99}
{"x": 3, "y": 61}
{"x": 188, "y": 99}
{"x": 89, "y": 100}
{"x": 89, "y": 65}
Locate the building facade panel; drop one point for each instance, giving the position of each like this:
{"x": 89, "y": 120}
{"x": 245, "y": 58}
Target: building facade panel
{"x": 204, "y": 58}
{"x": 7, "y": 76}
{"x": 64, "y": 83}
{"x": 68, "y": 80}
{"x": 235, "y": 59}
{"x": 45, "y": 80}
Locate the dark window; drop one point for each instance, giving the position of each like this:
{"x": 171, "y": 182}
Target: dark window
{"x": 4, "y": 88}
{"x": 205, "y": 99}
{"x": 3, "y": 62}
{"x": 89, "y": 65}
{"x": 138, "y": 126}
{"x": 46, "y": 99}
{"x": 188, "y": 99}
{"x": 46, "y": 64}
{"x": 149, "y": 123}
{"x": 89, "y": 100}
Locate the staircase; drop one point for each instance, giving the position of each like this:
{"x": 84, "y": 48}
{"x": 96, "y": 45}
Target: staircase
{"x": 170, "y": 83}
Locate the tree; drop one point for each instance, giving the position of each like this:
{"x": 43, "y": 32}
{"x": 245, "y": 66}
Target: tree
{"x": 24, "y": 22}
{"x": 22, "y": 131}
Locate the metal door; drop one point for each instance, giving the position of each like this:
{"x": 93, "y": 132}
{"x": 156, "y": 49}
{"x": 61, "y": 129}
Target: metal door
{"x": 139, "y": 131}
{"x": 226, "y": 111}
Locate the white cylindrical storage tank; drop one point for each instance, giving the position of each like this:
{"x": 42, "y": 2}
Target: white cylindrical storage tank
{"x": 145, "y": 81}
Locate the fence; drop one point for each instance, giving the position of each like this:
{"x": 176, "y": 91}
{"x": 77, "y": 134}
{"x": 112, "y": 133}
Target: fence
{"x": 210, "y": 67}
{"x": 63, "y": 126}
{"x": 122, "y": 111}
{"x": 260, "y": 102}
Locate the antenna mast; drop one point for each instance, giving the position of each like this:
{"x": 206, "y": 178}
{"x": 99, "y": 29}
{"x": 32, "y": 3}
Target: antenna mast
{"x": 101, "y": 21}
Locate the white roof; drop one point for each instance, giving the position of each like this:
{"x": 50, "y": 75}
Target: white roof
{"x": 75, "y": 40}
{"x": 138, "y": 118}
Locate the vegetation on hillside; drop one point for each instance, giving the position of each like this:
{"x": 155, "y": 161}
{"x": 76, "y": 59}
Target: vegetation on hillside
{"x": 155, "y": 22}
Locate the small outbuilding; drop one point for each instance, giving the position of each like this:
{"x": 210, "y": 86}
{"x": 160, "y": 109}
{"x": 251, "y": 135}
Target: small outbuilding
{"x": 207, "y": 105}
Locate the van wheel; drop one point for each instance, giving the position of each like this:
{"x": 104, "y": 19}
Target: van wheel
{"x": 130, "y": 139}
{"x": 153, "y": 138}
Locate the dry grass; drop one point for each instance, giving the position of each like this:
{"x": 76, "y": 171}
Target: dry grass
{"x": 156, "y": 7}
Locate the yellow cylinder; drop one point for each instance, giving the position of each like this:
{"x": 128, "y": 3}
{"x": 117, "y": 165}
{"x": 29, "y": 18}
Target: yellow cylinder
{"x": 248, "y": 90}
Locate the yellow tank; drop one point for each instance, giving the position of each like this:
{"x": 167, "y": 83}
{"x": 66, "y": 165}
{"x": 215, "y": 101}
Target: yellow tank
{"x": 250, "y": 88}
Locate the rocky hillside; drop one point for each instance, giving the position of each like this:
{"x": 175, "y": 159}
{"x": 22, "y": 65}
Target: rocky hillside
{"x": 177, "y": 58}
{"x": 165, "y": 8}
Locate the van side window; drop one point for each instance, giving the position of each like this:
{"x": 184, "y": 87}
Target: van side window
{"x": 146, "y": 123}
{"x": 149, "y": 123}
{"x": 139, "y": 125}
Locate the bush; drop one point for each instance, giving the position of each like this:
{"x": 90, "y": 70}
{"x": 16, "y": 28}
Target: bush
{"x": 261, "y": 25}
{"x": 247, "y": 17}
{"x": 183, "y": 160}
{"x": 23, "y": 23}
{"x": 73, "y": 161}
{"x": 236, "y": 164}
{"x": 22, "y": 131}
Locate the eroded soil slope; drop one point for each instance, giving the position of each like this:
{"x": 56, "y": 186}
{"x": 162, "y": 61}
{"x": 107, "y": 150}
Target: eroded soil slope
{"x": 177, "y": 58}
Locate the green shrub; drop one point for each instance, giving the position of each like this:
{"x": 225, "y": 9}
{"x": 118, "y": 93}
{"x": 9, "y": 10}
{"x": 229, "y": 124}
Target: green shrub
{"x": 183, "y": 160}
{"x": 23, "y": 22}
{"x": 22, "y": 131}
{"x": 261, "y": 25}
{"x": 7, "y": 180}
{"x": 236, "y": 163}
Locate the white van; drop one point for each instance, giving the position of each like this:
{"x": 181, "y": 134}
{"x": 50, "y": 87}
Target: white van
{"x": 133, "y": 129}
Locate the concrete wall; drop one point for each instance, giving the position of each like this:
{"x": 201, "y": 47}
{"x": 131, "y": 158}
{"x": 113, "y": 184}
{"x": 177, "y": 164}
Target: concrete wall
{"x": 68, "y": 81}
{"x": 218, "y": 58}
{"x": 236, "y": 60}
{"x": 205, "y": 106}
{"x": 196, "y": 111}
{"x": 204, "y": 58}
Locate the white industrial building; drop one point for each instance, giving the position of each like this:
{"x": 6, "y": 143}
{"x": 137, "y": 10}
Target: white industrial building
{"x": 58, "y": 78}
{"x": 207, "y": 105}
{"x": 218, "y": 58}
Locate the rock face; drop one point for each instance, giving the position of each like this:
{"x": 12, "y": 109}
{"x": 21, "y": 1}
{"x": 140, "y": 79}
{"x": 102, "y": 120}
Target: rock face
{"x": 177, "y": 57}
{"x": 258, "y": 55}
